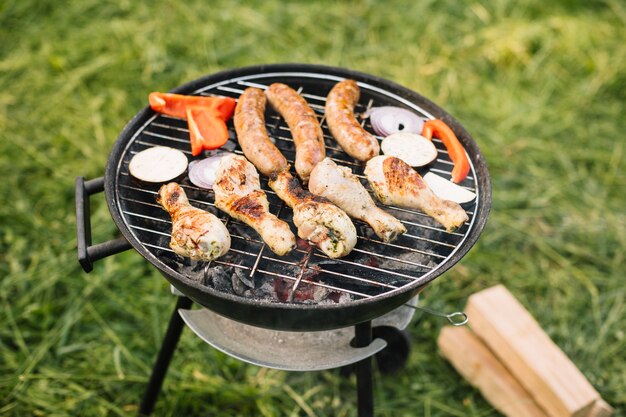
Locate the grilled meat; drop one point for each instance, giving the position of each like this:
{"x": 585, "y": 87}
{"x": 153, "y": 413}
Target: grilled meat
{"x": 395, "y": 183}
{"x": 350, "y": 135}
{"x": 343, "y": 188}
{"x": 238, "y": 193}
{"x": 317, "y": 219}
{"x": 305, "y": 128}
{"x": 252, "y": 135}
{"x": 196, "y": 234}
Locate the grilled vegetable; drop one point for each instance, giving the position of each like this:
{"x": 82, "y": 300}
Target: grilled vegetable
{"x": 456, "y": 151}
{"x": 206, "y": 131}
{"x": 158, "y": 164}
{"x": 203, "y": 173}
{"x": 206, "y": 117}
{"x": 412, "y": 148}
{"x": 387, "y": 120}
{"x": 448, "y": 190}
{"x": 176, "y": 105}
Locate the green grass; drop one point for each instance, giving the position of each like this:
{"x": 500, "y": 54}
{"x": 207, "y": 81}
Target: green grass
{"x": 540, "y": 85}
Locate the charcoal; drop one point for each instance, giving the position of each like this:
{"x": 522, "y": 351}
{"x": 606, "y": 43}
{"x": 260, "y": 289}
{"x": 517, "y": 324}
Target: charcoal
{"x": 244, "y": 278}
{"x": 238, "y": 286}
{"x": 219, "y": 278}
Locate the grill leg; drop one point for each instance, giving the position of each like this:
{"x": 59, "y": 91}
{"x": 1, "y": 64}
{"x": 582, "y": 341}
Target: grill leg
{"x": 364, "y": 377}
{"x": 174, "y": 329}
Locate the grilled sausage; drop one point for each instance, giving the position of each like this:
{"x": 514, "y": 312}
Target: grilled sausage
{"x": 305, "y": 128}
{"x": 344, "y": 127}
{"x": 252, "y": 136}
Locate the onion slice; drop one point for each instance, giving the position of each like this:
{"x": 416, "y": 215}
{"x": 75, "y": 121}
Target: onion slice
{"x": 202, "y": 173}
{"x": 387, "y": 120}
{"x": 158, "y": 164}
{"x": 412, "y": 148}
{"x": 448, "y": 190}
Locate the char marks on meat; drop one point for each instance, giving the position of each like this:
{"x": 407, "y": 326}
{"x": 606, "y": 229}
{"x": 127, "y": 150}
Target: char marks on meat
{"x": 395, "y": 183}
{"x": 317, "y": 219}
{"x": 343, "y": 188}
{"x": 196, "y": 234}
{"x": 238, "y": 193}
{"x": 305, "y": 128}
{"x": 252, "y": 135}
{"x": 339, "y": 111}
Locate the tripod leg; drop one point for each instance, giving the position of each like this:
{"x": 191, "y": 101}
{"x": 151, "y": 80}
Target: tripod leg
{"x": 364, "y": 377}
{"x": 174, "y": 329}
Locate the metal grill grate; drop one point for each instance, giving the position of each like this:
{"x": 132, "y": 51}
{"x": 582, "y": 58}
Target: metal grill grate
{"x": 373, "y": 268}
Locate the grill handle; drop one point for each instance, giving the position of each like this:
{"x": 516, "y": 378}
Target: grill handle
{"x": 88, "y": 253}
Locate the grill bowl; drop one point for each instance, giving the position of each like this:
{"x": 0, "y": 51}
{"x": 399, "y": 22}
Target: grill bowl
{"x": 373, "y": 280}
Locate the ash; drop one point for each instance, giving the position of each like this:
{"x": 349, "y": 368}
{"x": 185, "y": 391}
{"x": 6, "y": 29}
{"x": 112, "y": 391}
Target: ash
{"x": 237, "y": 281}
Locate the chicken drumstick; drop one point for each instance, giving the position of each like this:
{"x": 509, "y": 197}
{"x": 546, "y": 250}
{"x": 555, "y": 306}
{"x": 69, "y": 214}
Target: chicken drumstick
{"x": 238, "y": 193}
{"x": 343, "y": 188}
{"x": 317, "y": 219}
{"x": 395, "y": 182}
{"x": 196, "y": 234}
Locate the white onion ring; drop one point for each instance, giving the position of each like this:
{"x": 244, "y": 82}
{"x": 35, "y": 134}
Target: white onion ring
{"x": 202, "y": 173}
{"x": 387, "y": 120}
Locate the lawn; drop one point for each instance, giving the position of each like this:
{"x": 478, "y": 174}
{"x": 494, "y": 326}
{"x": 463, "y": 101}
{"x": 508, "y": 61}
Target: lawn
{"x": 541, "y": 86}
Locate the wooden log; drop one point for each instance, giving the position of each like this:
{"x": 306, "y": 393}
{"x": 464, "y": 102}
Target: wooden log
{"x": 480, "y": 367}
{"x": 522, "y": 346}
{"x": 601, "y": 409}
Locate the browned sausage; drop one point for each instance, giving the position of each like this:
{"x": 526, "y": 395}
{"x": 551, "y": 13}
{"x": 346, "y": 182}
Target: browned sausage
{"x": 252, "y": 136}
{"x": 305, "y": 128}
{"x": 353, "y": 139}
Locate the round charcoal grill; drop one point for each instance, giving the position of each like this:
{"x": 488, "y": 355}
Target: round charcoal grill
{"x": 304, "y": 290}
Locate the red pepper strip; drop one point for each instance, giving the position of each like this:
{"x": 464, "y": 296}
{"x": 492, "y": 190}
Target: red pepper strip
{"x": 206, "y": 117}
{"x": 206, "y": 131}
{"x": 456, "y": 151}
{"x": 175, "y": 105}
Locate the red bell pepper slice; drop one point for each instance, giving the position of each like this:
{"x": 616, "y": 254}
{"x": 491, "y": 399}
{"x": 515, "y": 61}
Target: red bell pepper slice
{"x": 175, "y": 105}
{"x": 455, "y": 149}
{"x": 206, "y": 117}
{"x": 206, "y": 131}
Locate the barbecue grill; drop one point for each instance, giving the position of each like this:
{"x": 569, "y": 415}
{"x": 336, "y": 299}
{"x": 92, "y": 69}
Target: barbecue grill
{"x": 304, "y": 291}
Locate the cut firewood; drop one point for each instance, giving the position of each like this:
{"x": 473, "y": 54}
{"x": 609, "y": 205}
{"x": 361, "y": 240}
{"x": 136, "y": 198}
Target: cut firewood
{"x": 601, "y": 409}
{"x": 522, "y": 346}
{"x": 480, "y": 367}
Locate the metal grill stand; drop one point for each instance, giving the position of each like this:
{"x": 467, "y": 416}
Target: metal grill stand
{"x": 347, "y": 348}
{"x": 364, "y": 383}
{"x": 172, "y": 335}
